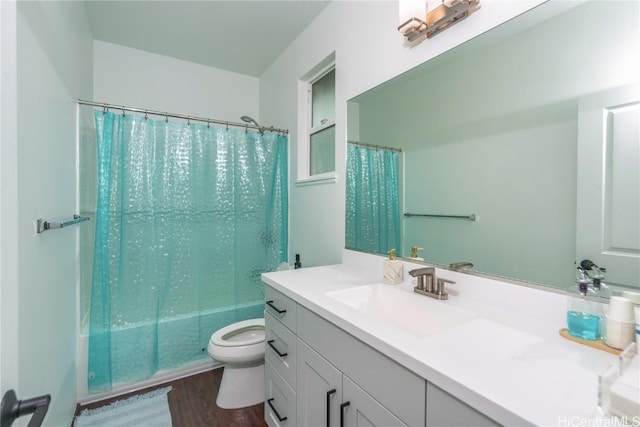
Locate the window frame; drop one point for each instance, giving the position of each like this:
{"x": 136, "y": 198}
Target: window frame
{"x": 307, "y": 130}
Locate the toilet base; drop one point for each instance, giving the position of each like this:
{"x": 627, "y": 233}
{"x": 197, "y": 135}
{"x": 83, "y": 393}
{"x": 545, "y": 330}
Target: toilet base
{"x": 241, "y": 387}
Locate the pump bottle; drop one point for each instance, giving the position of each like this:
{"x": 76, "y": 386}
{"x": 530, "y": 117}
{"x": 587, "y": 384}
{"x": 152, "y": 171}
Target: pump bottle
{"x": 392, "y": 269}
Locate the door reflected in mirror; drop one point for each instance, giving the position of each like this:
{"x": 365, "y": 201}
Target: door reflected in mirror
{"x": 496, "y": 128}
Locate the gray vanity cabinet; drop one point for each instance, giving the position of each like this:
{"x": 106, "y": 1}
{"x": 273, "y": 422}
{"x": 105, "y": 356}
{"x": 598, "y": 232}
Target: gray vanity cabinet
{"x": 325, "y": 358}
{"x": 314, "y": 368}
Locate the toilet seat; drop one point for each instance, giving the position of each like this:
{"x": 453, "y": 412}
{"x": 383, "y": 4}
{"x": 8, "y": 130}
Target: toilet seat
{"x": 246, "y": 332}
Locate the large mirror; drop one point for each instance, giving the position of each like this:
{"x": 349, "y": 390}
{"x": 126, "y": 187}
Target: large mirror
{"x": 520, "y": 145}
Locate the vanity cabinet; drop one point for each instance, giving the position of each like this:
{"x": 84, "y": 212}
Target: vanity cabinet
{"x": 336, "y": 375}
{"x": 316, "y": 372}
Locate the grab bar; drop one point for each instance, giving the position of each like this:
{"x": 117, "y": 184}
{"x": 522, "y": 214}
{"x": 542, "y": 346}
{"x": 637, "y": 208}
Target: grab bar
{"x": 471, "y": 217}
{"x": 44, "y": 225}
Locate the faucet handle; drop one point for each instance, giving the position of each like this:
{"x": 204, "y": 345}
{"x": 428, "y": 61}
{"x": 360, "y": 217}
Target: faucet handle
{"x": 440, "y": 287}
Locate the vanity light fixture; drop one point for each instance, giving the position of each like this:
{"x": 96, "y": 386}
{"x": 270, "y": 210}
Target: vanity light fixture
{"x": 416, "y": 21}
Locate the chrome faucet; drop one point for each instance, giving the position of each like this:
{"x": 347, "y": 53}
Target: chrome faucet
{"x": 464, "y": 265}
{"x": 428, "y": 284}
{"x": 426, "y": 278}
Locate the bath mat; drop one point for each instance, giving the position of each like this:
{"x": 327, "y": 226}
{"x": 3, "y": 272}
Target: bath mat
{"x": 144, "y": 410}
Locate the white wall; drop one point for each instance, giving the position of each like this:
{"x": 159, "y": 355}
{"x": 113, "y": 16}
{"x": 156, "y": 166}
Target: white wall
{"x": 54, "y": 59}
{"x": 9, "y": 198}
{"x": 369, "y": 50}
{"x": 131, "y": 77}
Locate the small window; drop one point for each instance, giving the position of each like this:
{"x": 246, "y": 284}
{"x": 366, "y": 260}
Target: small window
{"x": 322, "y": 133}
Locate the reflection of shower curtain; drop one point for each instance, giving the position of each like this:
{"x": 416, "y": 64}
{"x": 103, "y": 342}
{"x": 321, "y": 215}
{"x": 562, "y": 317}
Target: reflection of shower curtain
{"x": 188, "y": 217}
{"x": 373, "y": 212}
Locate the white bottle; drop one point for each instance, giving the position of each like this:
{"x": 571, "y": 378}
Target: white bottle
{"x": 392, "y": 270}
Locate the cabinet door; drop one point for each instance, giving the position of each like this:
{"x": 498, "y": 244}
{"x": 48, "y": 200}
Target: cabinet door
{"x": 360, "y": 409}
{"x": 319, "y": 389}
{"x": 444, "y": 410}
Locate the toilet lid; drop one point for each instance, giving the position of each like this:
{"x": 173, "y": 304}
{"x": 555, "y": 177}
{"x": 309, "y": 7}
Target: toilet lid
{"x": 238, "y": 334}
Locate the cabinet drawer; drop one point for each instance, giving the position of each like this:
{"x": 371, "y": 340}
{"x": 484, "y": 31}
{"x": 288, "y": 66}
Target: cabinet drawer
{"x": 280, "y": 399}
{"x": 394, "y": 386}
{"x": 280, "y": 349}
{"x": 281, "y": 307}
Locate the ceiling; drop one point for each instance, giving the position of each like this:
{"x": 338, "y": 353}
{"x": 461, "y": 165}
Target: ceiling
{"x": 240, "y": 36}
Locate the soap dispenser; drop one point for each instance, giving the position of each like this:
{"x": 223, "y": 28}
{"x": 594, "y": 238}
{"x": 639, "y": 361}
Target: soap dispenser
{"x": 583, "y": 309}
{"x": 596, "y": 274}
{"x": 392, "y": 269}
{"x": 414, "y": 253}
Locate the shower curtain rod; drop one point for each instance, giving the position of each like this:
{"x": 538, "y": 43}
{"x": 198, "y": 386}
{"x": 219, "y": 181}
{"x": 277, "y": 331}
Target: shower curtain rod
{"x": 180, "y": 116}
{"x": 382, "y": 147}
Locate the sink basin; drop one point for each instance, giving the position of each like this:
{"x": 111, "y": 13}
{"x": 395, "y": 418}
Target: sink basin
{"x": 411, "y": 312}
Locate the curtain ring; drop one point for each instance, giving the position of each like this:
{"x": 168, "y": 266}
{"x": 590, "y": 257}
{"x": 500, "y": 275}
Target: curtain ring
{"x": 208, "y": 124}
{"x": 246, "y": 128}
{"x": 105, "y": 109}
{"x": 146, "y": 115}
{"x": 227, "y": 126}
{"x": 188, "y": 121}
{"x": 166, "y": 117}
{"x": 122, "y": 111}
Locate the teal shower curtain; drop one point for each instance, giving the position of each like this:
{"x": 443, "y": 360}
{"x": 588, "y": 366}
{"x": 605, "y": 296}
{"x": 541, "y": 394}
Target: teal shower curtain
{"x": 188, "y": 217}
{"x": 372, "y": 199}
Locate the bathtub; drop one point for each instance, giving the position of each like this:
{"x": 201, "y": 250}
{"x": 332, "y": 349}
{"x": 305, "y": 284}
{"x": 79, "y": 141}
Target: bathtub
{"x": 177, "y": 355}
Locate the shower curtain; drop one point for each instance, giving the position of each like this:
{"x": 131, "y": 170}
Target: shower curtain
{"x": 188, "y": 216}
{"x": 372, "y": 199}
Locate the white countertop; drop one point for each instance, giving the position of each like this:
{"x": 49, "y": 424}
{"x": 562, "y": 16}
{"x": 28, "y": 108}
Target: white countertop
{"x": 509, "y": 362}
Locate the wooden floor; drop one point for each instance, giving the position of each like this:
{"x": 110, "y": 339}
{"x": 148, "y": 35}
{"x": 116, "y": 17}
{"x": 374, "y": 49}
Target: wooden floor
{"x": 193, "y": 404}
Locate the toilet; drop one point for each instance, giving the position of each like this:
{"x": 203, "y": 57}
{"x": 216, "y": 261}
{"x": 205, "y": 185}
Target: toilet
{"x": 240, "y": 346}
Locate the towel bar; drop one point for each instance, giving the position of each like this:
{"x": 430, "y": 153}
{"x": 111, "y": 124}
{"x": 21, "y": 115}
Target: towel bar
{"x": 44, "y": 225}
{"x": 471, "y": 217}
